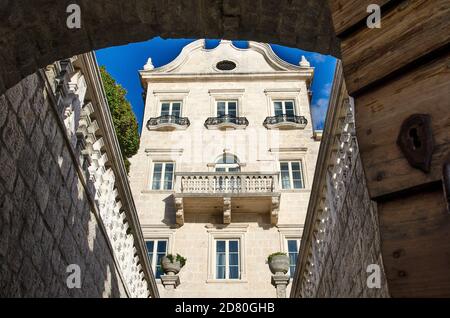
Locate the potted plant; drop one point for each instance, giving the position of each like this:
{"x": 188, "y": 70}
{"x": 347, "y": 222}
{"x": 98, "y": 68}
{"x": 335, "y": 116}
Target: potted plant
{"x": 278, "y": 263}
{"x": 171, "y": 265}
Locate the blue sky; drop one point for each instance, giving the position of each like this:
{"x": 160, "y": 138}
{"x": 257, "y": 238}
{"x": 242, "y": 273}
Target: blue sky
{"x": 124, "y": 62}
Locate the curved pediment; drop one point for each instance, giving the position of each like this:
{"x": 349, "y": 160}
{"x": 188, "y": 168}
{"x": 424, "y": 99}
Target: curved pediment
{"x": 225, "y": 58}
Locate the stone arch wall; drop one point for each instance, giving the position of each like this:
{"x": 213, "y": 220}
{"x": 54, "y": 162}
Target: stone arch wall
{"x": 34, "y": 34}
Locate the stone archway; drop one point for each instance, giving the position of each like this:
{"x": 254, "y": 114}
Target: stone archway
{"x": 34, "y": 34}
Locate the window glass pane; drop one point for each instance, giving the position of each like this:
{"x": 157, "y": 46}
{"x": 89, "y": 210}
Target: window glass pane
{"x": 234, "y": 169}
{"x": 150, "y": 245}
{"x": 220, "y": 272}
{"x": 176, "y": 108}
{"x": 220, "y": 260}
{"x": 220, "y": 169}
{"x": 278, "y": 108}
{"x": 285, "y": 181}
{"x": 162, "y": 247}
{"x": 168, "y": 176}
{"x": 220, "y": 109}
{"x": 289, "y": 108}
{"x": 233, "y": 246}
{"x": 157, "y": 170}
{"x": 295, "y": 166}
{"x": 232, "y": 109}
{"x": 298, "y": 184}
{"x": 234, "y": 259}
{"x": 284, "y": 166}
{"x": 165, "y": 109}
{"x": 293, "y": 255}
{"x": 234, "y": 272}
{"x": 297, "y": 175}
{"x": 220, "y": 246}
{"x": 292, "y": 246}
{"x": 159, "y": 270}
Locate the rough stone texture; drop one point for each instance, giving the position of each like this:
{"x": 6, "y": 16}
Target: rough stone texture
{"x": 354, "y": 245}
{"x": 34, "y": 34}
{"x": 45, "y": 219}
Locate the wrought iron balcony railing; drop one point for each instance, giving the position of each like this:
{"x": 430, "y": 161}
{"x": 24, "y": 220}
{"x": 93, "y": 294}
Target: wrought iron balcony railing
{"x": 226, "y": 121}
{"x": 285, "y": 120}
{"x": 172, "y": 121}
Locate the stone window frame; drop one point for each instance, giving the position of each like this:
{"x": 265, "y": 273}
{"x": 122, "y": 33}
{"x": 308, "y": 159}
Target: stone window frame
{"x": 291, "y": 179}
{"x": 284, "y": 94}
{"x": 230, "y": 232}
{"x": 292, "y": 154}
{"x": 159, "y": 232}
{"x": 289, "y": 232}
{"x": 156, "y": 155}
{"x": 170, "y": 96}
{"x": 152, "y": 168}
{"x": 217, "y": 95}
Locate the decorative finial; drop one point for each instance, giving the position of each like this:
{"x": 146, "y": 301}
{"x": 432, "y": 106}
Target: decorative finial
{"x": 304, "y": 62}
{"x": 149, "y": 65}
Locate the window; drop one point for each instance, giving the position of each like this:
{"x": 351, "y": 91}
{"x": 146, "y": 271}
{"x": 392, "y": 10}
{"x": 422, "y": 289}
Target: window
{"x": 171, "y": 108}
{"x": 162, "y": 176}
{"x": 284, "y": 108}
{"x": 291, "y": 175}
{"x": 227, "y": 163}
{"x": 293, "y": 246}
{"x": 156, "y": 249}
{"x": 227, "y": 108}
{"x": 227, "y": 259}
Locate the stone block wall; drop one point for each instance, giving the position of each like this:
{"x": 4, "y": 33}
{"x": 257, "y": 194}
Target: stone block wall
{"x": 354, "y": 245}
{"x": 46, "y": 219}
{"x": 340, "y": 249}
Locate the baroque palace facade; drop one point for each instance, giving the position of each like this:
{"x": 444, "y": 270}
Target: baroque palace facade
{"x": 224, "y": 171}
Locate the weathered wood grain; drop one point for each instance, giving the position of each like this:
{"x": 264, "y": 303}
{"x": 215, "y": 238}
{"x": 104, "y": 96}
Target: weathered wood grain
{"x": 415, "y": 243}
{"x": 346, "y": 13}
{"x": 408, "y": 32}
{"x": 379, "y": 116}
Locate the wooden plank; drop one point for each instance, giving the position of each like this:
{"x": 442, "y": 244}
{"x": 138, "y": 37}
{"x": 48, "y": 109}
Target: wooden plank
{"x": 407, "y": 32}
{"x": 346, "y": 13}
{"x": 415, "y": 243}
{"x": 380, "y": 114}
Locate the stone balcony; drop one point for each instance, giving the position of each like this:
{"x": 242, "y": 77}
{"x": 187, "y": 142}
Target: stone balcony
{"x": 285, "y": 122}
{"x": 226, "y": 193}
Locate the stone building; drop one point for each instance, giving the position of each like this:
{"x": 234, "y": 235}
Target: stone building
{"x": 224, "y": 171}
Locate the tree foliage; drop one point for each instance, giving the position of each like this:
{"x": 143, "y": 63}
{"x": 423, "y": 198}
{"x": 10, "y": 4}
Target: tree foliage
{"x": 124, "y": 120}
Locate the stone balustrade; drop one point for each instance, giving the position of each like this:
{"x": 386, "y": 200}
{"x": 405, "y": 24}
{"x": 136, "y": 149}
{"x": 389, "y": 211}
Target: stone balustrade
{"x": 237, "y": 192}
{"x": 223, "y": 183}
{"x": 89, "y": 128}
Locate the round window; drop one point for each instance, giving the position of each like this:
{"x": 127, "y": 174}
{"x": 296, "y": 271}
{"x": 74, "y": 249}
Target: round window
{"x": 226, "y": 65}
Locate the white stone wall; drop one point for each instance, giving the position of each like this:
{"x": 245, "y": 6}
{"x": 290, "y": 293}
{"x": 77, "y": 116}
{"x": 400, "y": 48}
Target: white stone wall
{"x": 257, "y": 80}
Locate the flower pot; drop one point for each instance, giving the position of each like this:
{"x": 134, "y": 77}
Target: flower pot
{"x": 170, "y": 268}
{"x": 279, "y": 264}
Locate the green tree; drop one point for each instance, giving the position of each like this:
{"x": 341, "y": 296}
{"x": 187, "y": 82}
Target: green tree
{"x": 124, "y": 120}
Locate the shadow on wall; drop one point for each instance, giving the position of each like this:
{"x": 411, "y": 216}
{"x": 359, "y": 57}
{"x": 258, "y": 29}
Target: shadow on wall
{"x": 46, "y": 221}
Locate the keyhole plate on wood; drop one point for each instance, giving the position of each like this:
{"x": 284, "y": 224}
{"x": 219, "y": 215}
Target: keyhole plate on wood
{"x": 416, "y": 141}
